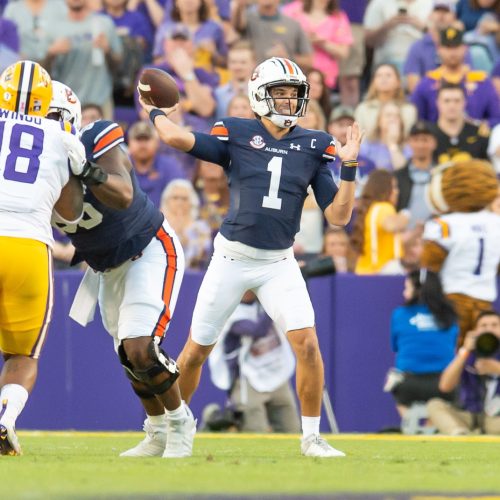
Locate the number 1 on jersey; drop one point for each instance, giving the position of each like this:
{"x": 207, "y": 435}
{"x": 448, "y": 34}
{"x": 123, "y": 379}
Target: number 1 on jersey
{"x": 272, "y": 200}
{"x": 477, "y": 271}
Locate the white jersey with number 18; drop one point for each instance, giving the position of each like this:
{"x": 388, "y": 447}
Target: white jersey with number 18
{"x": 33, "y": 170}
{"x": 472, "y": 241}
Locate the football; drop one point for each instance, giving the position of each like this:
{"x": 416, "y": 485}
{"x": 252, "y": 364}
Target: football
{"x": 158, "y": 88}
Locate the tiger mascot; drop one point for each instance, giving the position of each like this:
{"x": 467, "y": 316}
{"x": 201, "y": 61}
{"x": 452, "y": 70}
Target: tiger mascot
{"x": 462, "y": 243}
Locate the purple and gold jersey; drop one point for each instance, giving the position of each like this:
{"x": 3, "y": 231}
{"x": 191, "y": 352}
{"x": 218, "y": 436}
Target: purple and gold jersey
{"x": 268, "y": 178}
{"x": 105, "y": 237}
{"x": 482, "y": 101}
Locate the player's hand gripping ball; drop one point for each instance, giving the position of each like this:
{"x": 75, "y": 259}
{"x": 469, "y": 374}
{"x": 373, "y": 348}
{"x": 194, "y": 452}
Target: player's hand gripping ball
{"x": 158, "y": 88}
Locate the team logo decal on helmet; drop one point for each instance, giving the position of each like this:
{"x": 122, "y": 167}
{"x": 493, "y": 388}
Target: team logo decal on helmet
{"x": 65, "y": 105}
{"x": 277, "y": 72}
{"x": 25, "y": 87}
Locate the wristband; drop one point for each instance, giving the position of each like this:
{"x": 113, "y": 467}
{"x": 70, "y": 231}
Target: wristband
{"x": 348, "y": 170}
{"x": 154, "y": 113}
{"x": 463, "y": 353}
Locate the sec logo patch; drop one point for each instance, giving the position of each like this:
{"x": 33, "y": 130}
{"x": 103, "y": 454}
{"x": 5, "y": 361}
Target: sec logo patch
{"x": 257, "y": 142}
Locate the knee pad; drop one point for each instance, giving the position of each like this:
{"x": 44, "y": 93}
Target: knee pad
{"x": 142, "y": 393}
{"x": 161, "y": 362}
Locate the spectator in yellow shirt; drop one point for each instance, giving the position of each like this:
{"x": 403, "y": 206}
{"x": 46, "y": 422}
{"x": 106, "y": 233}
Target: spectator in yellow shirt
{"x": 376, "y": 237}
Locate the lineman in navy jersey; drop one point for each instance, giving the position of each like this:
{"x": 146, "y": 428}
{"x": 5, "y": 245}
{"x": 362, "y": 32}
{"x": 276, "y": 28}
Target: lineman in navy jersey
{"x": 136, "y": 268}
{"x": 270, "y": 162}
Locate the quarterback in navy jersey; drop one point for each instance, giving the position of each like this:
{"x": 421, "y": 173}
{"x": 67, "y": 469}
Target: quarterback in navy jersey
{"x": 269, "y": 162}
{"x": 136, "y": 268}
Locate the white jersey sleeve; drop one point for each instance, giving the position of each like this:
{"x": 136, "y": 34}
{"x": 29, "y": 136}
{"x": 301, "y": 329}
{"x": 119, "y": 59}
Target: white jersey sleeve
{"x": 472, "y": 241}
{"x": 33, "y": 170}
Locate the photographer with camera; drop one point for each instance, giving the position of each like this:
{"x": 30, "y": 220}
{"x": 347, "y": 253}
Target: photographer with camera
{"x": 254, "y": 363}
{"x": 476, "y": 370}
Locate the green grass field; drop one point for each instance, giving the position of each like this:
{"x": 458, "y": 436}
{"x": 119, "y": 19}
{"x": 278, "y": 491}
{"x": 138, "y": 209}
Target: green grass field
{"x": 86, "y": 465}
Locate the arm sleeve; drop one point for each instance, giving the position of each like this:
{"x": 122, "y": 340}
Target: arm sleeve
{"x": 324, "y": 187}
{"x": 209, "y": 148}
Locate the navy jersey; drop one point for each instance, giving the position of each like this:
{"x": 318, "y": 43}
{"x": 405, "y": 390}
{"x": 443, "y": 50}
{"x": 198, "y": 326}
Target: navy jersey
{"x": 268, "y": 178}
{"x": 106, "y": 237}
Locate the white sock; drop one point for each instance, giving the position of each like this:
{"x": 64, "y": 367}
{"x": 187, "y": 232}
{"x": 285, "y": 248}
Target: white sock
{"x": 177, "y": 414}
{"x": 14, "y": 396}
{"x": 157, "y": 420}
{"x": 310, "y": 425}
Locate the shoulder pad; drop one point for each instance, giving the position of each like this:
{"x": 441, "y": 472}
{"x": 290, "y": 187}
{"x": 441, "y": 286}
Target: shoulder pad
{"x": 101, "y": 136}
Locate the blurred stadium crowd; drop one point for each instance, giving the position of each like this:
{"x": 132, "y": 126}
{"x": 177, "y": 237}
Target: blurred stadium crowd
{"x": 422, "y": 77}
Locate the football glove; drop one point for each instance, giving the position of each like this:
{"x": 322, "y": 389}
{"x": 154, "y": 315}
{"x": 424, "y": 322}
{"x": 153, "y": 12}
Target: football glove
{"x": 76, "y": 153}
{"x": 89, "y": 173}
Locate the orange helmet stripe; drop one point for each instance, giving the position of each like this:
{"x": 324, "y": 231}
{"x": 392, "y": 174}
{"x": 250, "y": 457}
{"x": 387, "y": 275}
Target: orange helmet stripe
{"x": 289, "y": 66}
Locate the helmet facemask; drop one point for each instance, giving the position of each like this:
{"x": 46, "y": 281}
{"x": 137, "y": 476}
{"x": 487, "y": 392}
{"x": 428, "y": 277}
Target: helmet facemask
{"x": 278, "y": 117}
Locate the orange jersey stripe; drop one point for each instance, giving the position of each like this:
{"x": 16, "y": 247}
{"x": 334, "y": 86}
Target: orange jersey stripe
{"x": 330, "y": 150}
{"x": 445, "y": 229}
{"x": 110, "y": 137}
{"x": 168, "y": 282}
{"x": 289, "y": 66}
{"x": 219, "y": 131}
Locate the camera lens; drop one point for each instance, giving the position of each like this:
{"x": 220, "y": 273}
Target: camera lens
{"x": 486, "y": 344}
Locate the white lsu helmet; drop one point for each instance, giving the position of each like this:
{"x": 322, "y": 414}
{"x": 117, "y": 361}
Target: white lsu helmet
{"x": 66, "y": 104}
{"x": 275, "y": 72}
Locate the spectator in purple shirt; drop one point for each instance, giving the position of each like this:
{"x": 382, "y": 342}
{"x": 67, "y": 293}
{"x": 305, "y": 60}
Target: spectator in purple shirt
{"x": 207, "y": 35}
{"x": 423, "y": 55}
{"x": 154, "y": 10}
{"x": 132, "y": 23}
{"x": 495, "y": 76}
{"x": 386, "y": 145}
{"x": 196, "y": 87}
{"x": 152, "y": 169}
{"x": 482, "y": 99}
{"x": 195, "y": 84}
{"x": 9, "y": 43}
{"x": 478, "y": 380}
{"x": 137, "y": 40}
